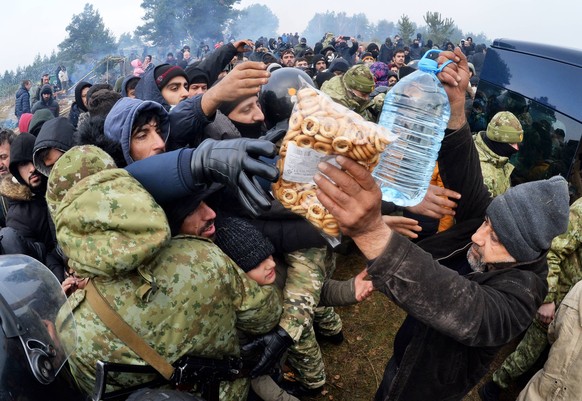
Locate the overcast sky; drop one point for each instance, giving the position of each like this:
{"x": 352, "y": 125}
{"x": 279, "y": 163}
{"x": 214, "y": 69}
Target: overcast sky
{"x": 28, "y": 27}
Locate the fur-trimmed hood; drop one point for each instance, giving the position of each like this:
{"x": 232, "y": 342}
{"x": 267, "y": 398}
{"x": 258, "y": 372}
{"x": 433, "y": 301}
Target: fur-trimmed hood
{"x": 12, "y": 189}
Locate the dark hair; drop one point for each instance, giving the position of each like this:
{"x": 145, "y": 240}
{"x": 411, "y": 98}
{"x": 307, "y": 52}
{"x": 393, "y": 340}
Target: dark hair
{"x": 131, "y": 83}
{"x": 6, "y": 135}
{"x": 144, "y": 118}
{"x": 26, "y": 82}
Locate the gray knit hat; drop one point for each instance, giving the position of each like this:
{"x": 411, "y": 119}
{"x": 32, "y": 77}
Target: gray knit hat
{"x": 242, "y": 242}
{"x": 527, "y": 217}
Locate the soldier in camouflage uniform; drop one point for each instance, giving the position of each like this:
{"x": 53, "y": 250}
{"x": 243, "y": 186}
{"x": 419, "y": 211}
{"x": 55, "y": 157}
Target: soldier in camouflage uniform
{"x": 353, "y": 89}
{"x": 182, "y": 295}
{"x": 495, "y": 146}
{"x": 564, "y": 271}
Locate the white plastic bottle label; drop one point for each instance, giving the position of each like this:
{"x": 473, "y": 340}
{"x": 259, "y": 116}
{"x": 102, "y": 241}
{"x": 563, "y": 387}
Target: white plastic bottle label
{"x": 301, "y": 163}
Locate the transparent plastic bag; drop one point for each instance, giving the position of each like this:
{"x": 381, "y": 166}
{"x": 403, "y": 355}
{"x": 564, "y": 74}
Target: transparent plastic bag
{"x": 320, "y": 129}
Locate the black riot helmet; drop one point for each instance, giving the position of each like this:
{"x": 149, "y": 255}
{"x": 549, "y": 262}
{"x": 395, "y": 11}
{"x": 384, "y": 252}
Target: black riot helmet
{"x": 37, "y": 333}
{"x": 277, "y": 96}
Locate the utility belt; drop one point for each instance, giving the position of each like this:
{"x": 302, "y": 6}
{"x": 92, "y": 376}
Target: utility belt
{"x": 190, "y": 372}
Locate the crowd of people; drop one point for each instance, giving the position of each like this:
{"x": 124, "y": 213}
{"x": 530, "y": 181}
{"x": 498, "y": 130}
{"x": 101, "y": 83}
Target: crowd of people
{"x": 151, "y": 197}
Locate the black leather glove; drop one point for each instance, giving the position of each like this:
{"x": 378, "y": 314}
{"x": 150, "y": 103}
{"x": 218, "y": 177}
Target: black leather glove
{"x": 234, "y": 162}
{"x": 273, "y": 345}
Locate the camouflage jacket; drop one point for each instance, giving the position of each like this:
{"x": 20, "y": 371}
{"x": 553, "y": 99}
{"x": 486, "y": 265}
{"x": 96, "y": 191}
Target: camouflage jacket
{"x": 181, "y": 295}
{"x": 336, "y": 89}
{"x": 565, "y": 257}
{"x": 496, "y": 169}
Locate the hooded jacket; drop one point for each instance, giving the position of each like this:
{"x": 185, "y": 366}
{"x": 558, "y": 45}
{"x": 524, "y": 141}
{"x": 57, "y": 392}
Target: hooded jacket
{"x": 147, "y": 89}
{"x": 51, "y": 104}
{"x": 456, "y": 323}
{"x": 78, "y": 107}
{"x": 119, "y": 121}
{"x": 38, "y": 119}
{"x": 181, "y": 295}
{"x": 56, "y": 133}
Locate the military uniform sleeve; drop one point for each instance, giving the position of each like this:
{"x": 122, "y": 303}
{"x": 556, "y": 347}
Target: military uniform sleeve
{"x": 563, "y": 246}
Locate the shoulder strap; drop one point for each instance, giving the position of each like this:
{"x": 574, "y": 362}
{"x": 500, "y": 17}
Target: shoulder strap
{"x": 125, "y": 333}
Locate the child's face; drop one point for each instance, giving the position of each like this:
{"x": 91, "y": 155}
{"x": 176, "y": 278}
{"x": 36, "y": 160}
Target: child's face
{"x": 265, "y": 272}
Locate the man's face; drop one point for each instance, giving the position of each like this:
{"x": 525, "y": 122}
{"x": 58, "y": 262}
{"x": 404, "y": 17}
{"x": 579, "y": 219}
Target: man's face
{"x": 84, "y": 95}
{"x": 301, "y": 64}
{"x": 200, "y": 222}
{"x": 4, "y": 158}
{"x": 175, "y": 91}
{"x": 320, "y": 65}
{"x": 29, "y": 174}
{"x": 51, "y": 157}
{"x": 197, "y": 89}
{"x": 486, "y": 248}
{"x": 146, "y": 141}
{"x": 247, "y": 112}
{"x": 46, "y": 97}
{"x": 28, "y": 85}
{"x": 288, "y": 59}
{"x": 264, "y": 273}
{"x": 399, "y": 59}
{"x": 45, "y": 79}
{"x": 392, "y": 81}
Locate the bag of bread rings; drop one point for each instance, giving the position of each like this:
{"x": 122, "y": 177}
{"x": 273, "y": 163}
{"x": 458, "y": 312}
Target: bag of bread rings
{"x": 320, "y": 129}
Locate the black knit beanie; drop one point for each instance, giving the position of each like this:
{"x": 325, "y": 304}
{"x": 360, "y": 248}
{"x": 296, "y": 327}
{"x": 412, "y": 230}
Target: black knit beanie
{"x": 528, "y": 216}
{"x": 197, "y": 75}
{"x": 165, "y": 73}
{"x": 242, "y": 242}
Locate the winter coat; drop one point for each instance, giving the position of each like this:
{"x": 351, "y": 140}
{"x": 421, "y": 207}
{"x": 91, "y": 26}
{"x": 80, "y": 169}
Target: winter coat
{"x": 74, "y": 114}
{"x": 496, "y": 169}
{"x": 51, "y": 104}
{"x": 565, "y": 257}
{"x": 181, "y": 295}
{"x": 22, "y": 104}
{"x": 559, "y": 380}
{"x": 456, "y": 323}
{"x": 27, "y": 213}
{"x": 187, "y": 123}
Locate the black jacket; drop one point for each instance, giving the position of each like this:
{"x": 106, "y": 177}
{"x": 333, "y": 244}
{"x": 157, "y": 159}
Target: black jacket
{"x": 456, "y": 322}
{"x": 22, "y": 104}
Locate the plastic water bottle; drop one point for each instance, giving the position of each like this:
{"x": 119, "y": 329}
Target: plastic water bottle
{"x": 417, "y": 110}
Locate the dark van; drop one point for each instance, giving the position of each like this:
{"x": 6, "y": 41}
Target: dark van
{"x": 542, "y": 86}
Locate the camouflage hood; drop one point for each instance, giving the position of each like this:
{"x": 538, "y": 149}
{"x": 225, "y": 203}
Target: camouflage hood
{"x": 93, "y": 205}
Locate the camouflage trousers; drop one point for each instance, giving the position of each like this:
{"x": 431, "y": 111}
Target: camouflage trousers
{"x": 306, "y": 270}
{"x": 525, "y": 355}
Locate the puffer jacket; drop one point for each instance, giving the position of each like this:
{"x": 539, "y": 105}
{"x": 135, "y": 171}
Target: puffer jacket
{"x": 496, "y": 169}
{"x": 22, "y": 104}
{"x": 181, "y": 295}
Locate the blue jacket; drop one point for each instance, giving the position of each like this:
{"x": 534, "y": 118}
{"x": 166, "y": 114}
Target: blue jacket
{"x": 22, "y": 102}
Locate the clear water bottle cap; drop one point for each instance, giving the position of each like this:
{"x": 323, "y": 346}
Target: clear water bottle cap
{"x": 428, "y": 62}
